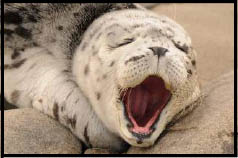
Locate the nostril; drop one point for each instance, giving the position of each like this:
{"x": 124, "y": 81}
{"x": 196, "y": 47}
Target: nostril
{"x": 159, "y": 51}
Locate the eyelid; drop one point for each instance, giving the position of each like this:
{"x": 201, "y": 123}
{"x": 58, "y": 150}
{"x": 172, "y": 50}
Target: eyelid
{"x": 125, "y": 41}
{"x": 183, "y": 48}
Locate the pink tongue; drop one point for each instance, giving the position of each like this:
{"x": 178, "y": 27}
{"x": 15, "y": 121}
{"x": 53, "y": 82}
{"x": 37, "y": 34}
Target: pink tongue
{"x": 138, "y": 101}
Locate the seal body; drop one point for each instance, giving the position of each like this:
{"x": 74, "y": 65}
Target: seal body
{"x": 109, "y": 72}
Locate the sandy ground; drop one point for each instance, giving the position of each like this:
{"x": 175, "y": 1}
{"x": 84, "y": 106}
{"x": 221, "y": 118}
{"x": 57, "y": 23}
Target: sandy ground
{"x": 211, "y": 27}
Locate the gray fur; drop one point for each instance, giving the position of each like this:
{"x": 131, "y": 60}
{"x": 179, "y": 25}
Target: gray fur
{"x": 41, "y": 23}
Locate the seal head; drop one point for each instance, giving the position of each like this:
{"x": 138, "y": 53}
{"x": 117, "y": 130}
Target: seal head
{"x": 137, "y": 70}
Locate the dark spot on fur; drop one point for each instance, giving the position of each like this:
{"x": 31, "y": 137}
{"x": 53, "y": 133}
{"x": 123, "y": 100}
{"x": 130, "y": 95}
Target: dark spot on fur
{"x": 104, "y": 76}
{"x": 131, "y": 5}
{"x": 15, "y": 54}
{"x": 8, "y": 32}
{"x": 18, "y": 64}
{"x": 24, "y": 33}
{"x": 76, "y": 101}
{"x": 32, "y": 18}
{"x": 69, "y": 94}
{"x": 135, "y": 58}
{"x": 56, "y": 111}
{"x": 98, "y": 95}
{"x": 6, "y": 66}
{"x": 22, "y": 9}
{"x": 144, "y": 36}
{"x": 48, "y": 52}
{"x": 185, "y": 48}
{"x": 71, "y": 121}
{"x": 136, "y": 26}
{"x": 193, "y": 62}
{"x": 60, "y": 28}
{"x": 32, "y": 66}
{"x": 40, "y": 100}
{"x": 12, "y": 18}
{"x": 125, "y": 29}
{"x": 15, "y": 65}
{"x": 100, "y": 60}
{"x": 190, "y": 72}
{"x": 66, "y": 71}
{"x": 35, "y": 44}
{"x": 97, "y": 37}
{"x": 31, "y": 103}
{"x": 35, "y": 9}
{"x": 62, "y": 108}
{"x": 154, "y": 40}
{"x": 7, "y": 38}
{"x": 170, "y": 30}
{"x": 14, "y": 96}
{"x": 111, "y": 34}
{"x": 21, "y": 49}
{"x": 85, "y": 133}
{"x": 86, "y": 70}
{"x": 84, "y": 46}
{"x": 52, "y": 40}
{"x": 94, "y": 53}
{"x": 112, "y": 63}
{"x": 76, "y": 14}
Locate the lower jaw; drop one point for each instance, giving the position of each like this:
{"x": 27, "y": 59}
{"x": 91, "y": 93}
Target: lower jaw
{"x": 146, "y": 130}
{"x": 135, "y": 142}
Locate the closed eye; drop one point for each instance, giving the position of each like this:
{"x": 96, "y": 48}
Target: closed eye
{"x": 125, "y": 42}
{"x": 183, "y": 48}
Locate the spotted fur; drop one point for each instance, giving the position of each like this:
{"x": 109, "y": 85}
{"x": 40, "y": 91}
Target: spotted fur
{"x": 70, "y": 61}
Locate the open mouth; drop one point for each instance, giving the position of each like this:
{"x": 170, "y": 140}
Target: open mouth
{"x": 144, "y": 103}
